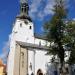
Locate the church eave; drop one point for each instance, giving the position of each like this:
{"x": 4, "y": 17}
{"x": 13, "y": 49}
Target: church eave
{"x": 42, "y": 37}
{"x": 24, "y": 17}
{"x": 33, "y": 46}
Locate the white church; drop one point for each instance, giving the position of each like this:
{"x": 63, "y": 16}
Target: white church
{"x": 27, "y": 55}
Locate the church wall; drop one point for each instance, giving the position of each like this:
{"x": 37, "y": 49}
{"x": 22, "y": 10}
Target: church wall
{"x": 16, "y": 60}
{"x": 31, "y": 61}
{"x": 67, "y": 55}
{"x": 10, "y": 62}
{"x": 41, "y": 61}
{"x": 23, "y": 66}
{"x": 14, "y": 64}
{"x": 37, "y": 59}
{"x": 41, "y": 42}
{"x": 22, "y": 31}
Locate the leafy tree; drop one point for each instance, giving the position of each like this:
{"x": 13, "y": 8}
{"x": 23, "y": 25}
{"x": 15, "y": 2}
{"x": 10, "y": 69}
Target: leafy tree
{"x": 71, "y": 34}
{"x": 55, "y": 30}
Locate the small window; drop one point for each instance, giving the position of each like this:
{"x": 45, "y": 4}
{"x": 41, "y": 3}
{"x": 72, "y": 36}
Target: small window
{"x": 22, "y": 58}
{"x": 39, "y": 43}
{"x": 26, "y": 22}
{"x": 22, "y": 9}
{"x": 20, "y": 24}
{"x": 30, "y": 27}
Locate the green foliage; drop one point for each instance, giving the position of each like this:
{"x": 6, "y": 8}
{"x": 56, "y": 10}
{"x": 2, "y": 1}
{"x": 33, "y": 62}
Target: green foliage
{"x": 72, "y": 57}
{"x": 61, "y": 33}
{"x": 71, "y": 33}
{"x": 54, "y": 30}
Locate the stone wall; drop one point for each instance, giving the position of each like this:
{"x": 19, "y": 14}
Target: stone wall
{"x": 21, "y": 61}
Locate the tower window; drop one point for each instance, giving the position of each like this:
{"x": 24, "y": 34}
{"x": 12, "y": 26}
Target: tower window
{"x": 20, "y": 24}
{"x": 26, "y": 22}
{"x": 39, "y": 43}
{"x": 22, "y": 9}
{"x": 30, "y": 27}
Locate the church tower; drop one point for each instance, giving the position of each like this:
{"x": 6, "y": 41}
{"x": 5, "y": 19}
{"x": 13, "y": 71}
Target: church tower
{"x": 23, "y": 31}
{"x": 23, "y": 28}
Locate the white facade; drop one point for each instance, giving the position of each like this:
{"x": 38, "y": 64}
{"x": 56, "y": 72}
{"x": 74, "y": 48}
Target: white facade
{"x": 23, "y": 31}
{"x": 37, "y": 59}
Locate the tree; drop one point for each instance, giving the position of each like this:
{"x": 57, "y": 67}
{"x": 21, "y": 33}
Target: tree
{"x": 55, "y": 31}
{"x": 71, "y": 34}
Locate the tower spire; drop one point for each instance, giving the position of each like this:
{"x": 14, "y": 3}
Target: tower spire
{"x": 24, "y": 7}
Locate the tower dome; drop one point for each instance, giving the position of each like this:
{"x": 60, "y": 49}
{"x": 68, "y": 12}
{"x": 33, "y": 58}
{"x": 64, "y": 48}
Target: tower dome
{"x": 24, "y": 8}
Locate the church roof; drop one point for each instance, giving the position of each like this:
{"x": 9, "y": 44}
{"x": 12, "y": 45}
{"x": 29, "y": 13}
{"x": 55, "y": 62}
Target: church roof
{"x": 40, "y": 36}
{"x": 33, "y": 46}
{"x": 1, "y": 63}
{"x": 24, "y": 17}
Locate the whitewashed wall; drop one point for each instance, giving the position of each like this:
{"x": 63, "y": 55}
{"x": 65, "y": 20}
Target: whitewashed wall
{"x": 19, "y": 33}
{"x": 23, "y": 32}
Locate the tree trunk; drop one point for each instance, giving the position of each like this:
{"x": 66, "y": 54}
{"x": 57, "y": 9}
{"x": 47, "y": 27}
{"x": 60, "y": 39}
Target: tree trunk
{"x": 63, "y": 70}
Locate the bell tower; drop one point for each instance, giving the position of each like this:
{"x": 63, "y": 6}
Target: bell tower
{"x": 23, "y": 28}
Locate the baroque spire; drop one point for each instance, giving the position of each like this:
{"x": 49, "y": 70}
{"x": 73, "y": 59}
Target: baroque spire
{"x": 24, "y": 7}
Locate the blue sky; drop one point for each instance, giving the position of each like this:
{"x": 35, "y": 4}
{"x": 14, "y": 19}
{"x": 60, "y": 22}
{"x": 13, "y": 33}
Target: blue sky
{"x": 40, "y": 11}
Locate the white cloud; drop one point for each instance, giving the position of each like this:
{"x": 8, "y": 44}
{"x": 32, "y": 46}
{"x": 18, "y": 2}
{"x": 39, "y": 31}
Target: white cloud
{"x": 47, "y": 10}
{"x": 49, "y": 7}
{"x": 74, "y": 19}
{"x": 35, "y": 10}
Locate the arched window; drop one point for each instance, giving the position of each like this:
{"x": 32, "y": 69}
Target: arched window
{"x": 20, "y": 24}
{"x": 39, "y": 43}
{"x": 22, "y": 58}
{"x": 39, "y": 72}
{"x": 22, "y": 9}
{"x": 30, "y": 27}
{"x": 26, "y": 22}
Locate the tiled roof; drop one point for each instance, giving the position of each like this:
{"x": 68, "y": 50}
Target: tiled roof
{"x": 1, "y": 63}
{"x": 30, "y": 45}
{"x": 40, "y": 36}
